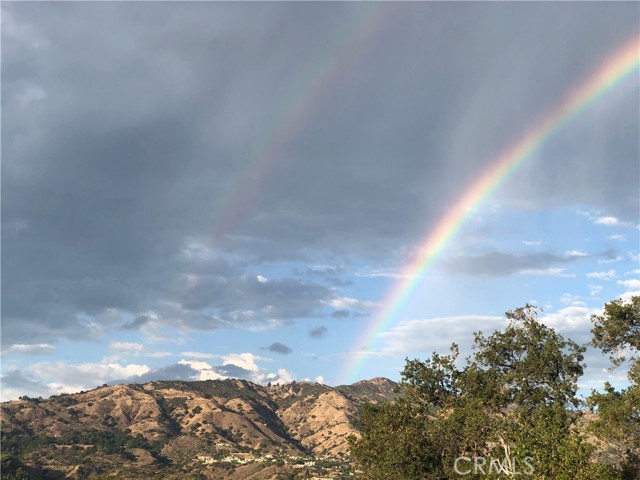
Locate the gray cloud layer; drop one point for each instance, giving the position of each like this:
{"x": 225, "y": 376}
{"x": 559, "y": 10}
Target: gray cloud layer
{"x": 132, "y": 130}
{"x": 500, "y": 263}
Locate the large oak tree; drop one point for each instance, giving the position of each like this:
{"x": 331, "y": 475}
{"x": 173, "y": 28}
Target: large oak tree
{"x": 507, "y": 410}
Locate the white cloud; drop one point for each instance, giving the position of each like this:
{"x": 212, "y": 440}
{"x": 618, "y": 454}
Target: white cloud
{"x": 30, "y": 349}
{"x": 283, "y": 376}
{"x": 610, "y": 221}
{"x": 575, "y": 253}
{"x": 348, "y": 302}
{"x": 205, "y": 370}
{"x": 534, "y": 243}
{"x": 246, "y": 361}
{"x": 617, "y": 237}
{"x": 606, "y": 220}
{"x": 45, "y": 378}
{"x": 210, "y": 375}
{"x": 548, "y": 272}
{"x": 58, "y": 388}
{"x": 435, "y": 334}
{"x": 198, "y": 355}
{"x": 369, "y": 272}
{"x": 320, "y": 379}
{"x": 129, "y": 347}
{"x": 595, "y": 289}
{"x": 196, "y": 365}
{"x": 243, "y": 360}
{"x": 574, "y": 318}
{"x": 262, "y": 279}
{"x": 158, "y": 354}
{"x": 135, "y": 349}
{"x": 608, "y": 275}
{"x": 385, "y": 274}
{"x": 610, "y": 260}
{"x": 632, "y": 283}
{"x": 569, "y": 299}
{"x": 86, "y": 375}
{"x": 627, "y": 296}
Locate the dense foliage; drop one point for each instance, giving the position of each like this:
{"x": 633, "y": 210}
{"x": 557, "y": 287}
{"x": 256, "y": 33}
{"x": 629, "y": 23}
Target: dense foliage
{"x": 106, "y": 441}
{"x": 509, "y": 410}
{"x": 617, "y": 331}
{"x": 12, "y": 468}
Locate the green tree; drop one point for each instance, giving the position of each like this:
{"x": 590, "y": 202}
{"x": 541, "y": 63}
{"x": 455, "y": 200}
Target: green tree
{"x": 12, "y": 468}
{"x": 618, "y": 328}
{"x": 615, "y": 331}
{"x": 509, "y": 410}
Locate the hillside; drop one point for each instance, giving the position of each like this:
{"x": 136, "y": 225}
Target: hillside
{"x": 205, "y": 429}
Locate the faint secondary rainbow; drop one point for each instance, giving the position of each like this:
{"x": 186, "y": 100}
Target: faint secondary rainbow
{"x": 289, "y": 119}
{"x": 612, "y": 72}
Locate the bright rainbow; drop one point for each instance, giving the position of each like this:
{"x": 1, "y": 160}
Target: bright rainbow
{"x": 621, "y": 65}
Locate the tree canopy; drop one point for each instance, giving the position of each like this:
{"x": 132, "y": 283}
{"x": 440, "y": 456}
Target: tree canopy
{"x": 617, "y": 328}
{"x": 509, "y": 409}
{"x": 617, "y": 332}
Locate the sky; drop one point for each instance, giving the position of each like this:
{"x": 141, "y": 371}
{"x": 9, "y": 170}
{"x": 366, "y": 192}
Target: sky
{"x": 234, "y": 190}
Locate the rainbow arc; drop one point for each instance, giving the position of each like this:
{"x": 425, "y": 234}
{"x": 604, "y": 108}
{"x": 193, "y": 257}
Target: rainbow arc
{"x": 618, "y": 67}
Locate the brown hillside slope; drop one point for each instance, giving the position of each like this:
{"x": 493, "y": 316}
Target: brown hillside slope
{"x": 209, "y": 429}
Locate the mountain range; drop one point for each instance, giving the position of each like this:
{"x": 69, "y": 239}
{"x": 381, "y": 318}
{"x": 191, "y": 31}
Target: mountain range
{"x": 209, "y": 429}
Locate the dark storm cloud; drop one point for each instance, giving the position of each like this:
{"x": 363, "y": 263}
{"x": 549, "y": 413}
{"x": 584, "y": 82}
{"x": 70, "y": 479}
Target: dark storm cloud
{"x": 280, "y": 348}
{"x": 130, "y": 127}
{"x": 501, "y": 264}
{"x": 319, "y": 332}
{"x": 284, "y": 298}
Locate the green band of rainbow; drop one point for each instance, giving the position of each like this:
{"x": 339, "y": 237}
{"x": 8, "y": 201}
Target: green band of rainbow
{"x": 621, "y": 65}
